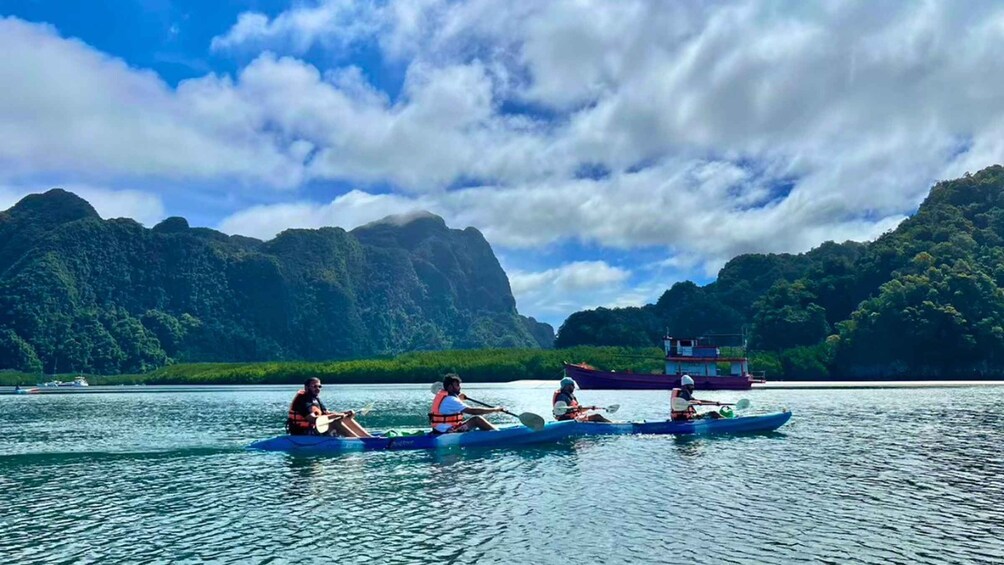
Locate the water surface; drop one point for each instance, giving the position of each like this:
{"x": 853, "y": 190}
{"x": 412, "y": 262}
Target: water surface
{"x": 872, "y": 476}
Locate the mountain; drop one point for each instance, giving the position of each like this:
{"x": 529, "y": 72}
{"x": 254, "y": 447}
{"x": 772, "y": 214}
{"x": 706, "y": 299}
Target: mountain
{"x": 78, "y": 293}
{"x": 925, "y": 300}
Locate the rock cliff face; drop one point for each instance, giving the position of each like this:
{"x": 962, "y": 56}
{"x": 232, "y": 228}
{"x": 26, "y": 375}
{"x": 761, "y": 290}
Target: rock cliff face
{"x": 85, "y": 294}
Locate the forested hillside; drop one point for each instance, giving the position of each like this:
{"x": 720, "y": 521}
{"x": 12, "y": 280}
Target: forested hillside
{"x": 78, "y": 293}
{"x": 924, "y": 300}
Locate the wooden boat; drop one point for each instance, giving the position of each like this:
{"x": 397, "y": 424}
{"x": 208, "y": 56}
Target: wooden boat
{"x": 698, "y": 357}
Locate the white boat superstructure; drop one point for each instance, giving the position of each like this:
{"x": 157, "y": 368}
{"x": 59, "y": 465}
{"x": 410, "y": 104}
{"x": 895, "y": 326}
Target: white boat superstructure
{"x": 79, "y": 381}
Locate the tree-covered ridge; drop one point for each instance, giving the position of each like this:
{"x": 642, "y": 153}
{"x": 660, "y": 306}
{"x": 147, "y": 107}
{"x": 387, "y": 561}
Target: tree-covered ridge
{"x": 923, "y": 300}
{"x": 106, "y": 296}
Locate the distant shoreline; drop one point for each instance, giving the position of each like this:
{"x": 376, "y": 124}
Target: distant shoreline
{"x": 474, "y": 366}
{"x": 817, "y": 385}
{"x": 776, "y": 385}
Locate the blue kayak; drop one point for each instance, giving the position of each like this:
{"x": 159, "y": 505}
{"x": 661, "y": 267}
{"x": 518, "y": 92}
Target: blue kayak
{"x": 519, "y": 435}
{"x": 741, "y": 425}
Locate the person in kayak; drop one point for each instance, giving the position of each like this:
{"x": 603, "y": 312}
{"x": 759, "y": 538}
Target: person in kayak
{"x": 448, "y": 409}
{"x": 566, "y": 394}
{"x": 682, "y": 402}
{"x": 307, "y": 406}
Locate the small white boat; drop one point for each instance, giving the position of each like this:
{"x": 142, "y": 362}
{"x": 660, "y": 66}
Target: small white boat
{"x": 79, "y": 381}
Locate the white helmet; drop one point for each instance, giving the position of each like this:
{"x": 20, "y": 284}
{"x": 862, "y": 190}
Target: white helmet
{"x": 686, "y": 380}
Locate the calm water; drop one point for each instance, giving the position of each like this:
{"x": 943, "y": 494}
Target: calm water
{"x": 874, "y": 476}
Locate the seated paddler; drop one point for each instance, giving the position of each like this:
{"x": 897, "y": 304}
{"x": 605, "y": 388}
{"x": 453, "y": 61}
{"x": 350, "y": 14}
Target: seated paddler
{"x": 682, "y": 402}
{"x": 566, "y": 407}
{"x": 307, "y": 406}
{"x": 448, "y": 410}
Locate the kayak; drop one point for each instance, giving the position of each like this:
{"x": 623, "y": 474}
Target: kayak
{"x": 740, "y": 425}
{"x": 518, "y": 435}
{"x": 503, "y": 437}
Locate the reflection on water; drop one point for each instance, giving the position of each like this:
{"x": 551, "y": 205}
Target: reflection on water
{"x": 881, "y": 476}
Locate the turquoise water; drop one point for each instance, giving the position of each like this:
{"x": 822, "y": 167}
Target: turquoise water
{"x": 872, "y": 476}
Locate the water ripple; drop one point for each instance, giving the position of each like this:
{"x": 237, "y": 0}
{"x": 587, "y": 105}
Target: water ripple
{"x": 895, "y": 476}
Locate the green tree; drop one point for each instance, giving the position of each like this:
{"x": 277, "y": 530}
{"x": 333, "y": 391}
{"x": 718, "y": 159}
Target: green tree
{"x": 17, "y": 353}
{"x": 788, "y": 316}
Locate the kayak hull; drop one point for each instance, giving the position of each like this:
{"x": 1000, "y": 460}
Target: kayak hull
{"x": 506, "y": 436}
{"x": 519, "y": 435}
{"x": 741, "y": 425}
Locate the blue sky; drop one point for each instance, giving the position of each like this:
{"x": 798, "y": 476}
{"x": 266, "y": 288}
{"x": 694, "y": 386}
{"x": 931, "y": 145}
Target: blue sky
{"x": 605, "y": 149}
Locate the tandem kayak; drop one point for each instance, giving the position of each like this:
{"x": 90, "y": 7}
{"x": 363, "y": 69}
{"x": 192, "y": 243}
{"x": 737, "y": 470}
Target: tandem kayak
{"x": 518, "y": 435}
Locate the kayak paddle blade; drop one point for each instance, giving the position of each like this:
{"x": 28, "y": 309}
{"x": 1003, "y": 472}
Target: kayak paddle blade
{"x": 322, "y": 424}
{"x": 613, "y": 408}
{"x": 743, "y": 404}
{"x": 560, "y": 408}
{"x": 531, "y": 420}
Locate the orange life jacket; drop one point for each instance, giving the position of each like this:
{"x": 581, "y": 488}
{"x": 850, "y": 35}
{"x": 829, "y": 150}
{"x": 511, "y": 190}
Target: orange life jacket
{"x": 296, "y": 423}
{"x": 675, "y": 414}
{"x": 573, "y": 407}
{"x": 436, "y": 418}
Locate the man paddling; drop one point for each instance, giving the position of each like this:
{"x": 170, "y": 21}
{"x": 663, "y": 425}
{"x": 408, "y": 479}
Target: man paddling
{"x": 572, "y": 410}
{"x": 448, "y": 409}
{"x": 307, "y": 406}
{"x": 682, "y": 402}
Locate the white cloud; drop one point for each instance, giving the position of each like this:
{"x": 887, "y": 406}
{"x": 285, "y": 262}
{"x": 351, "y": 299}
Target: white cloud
{"x": 855, "y": 108}
{"x": 348, "y": 211}
{"x": 720, "y": 128}
{"x": 66, "y": 108}
{"x": 333, "y": 23}
{"x": 552, "y": 294}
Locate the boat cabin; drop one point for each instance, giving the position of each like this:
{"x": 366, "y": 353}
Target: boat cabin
{"x": 700, "y": 357}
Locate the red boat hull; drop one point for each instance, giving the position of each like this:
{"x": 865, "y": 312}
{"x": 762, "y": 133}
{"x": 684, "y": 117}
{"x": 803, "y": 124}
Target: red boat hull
{"x": 593, "y": 379}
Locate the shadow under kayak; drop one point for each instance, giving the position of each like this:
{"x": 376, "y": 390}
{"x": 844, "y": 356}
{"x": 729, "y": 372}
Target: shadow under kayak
{"x": 519, "y": 435}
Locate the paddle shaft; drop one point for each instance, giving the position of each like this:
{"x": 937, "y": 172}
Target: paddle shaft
{"x": 486, "y": 405}
{"x": 328, "y": 419}
{"x": 709, "y": 403}
{"x": 584, "y": 408}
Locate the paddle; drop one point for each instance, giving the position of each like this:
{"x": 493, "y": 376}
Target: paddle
{"x": 562, "y": 407}
{"x": 742, "y": 404}
{"x": 323, "y": 422}
{"x": 528, "y": 419}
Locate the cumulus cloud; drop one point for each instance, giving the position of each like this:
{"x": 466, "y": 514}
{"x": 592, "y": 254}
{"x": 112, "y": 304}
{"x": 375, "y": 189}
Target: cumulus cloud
{"x": 726, "y": 127}
{"x": 704, "y": 129}
{"x": 553, "y": 293}
{"x": 66, "y": 108}
{"x": 333, "y": 23}
{"x": 348, "y": 211}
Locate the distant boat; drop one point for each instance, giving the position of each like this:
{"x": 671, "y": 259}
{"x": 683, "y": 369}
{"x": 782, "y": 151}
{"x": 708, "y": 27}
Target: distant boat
{"x": 77, "y": 382}
{"x": 697, "y": 357}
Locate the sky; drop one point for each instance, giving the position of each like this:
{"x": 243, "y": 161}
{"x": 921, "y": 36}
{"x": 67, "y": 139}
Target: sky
{"x": 606, "y": 150}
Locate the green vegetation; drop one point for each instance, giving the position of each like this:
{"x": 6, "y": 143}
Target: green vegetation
{"x": 82, "y": 294}
{"x": 925, "y": 300}
{"x": 78, "y": 293}
{"x": 483, "y": 365}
